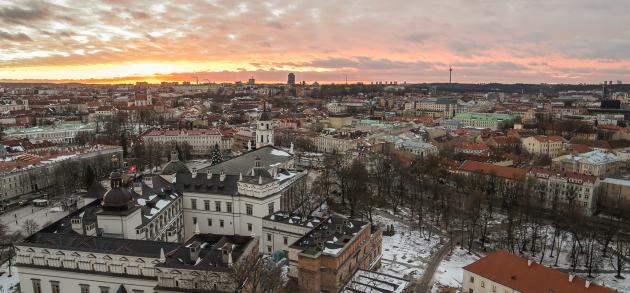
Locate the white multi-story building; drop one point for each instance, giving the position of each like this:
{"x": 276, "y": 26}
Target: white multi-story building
{"x": 412, "y": 143}
{"x": 202, "y": 141}
{"x": 445, "y": 107}
{"x": 574, "y": 189}
{"x": 234, "y": 196}
{"x": 7, "y": 105}
{"x": 58, "y": 133}
{"x": 29, "y": 173}
{"x": 336, "y": 108}
{"x": 544, "y": 145}
{"x": 281, "y": 230}
{"x": 332, "y": 144}
{"x": 596, "y": 163}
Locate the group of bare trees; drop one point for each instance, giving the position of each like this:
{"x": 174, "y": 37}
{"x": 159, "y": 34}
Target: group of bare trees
{"x": 481, "y": 211}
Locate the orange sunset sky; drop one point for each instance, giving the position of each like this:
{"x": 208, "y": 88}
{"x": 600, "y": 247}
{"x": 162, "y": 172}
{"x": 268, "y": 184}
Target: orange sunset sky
{"x": 555, "y": 41}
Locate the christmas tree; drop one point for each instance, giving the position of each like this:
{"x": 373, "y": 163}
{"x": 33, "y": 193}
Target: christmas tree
{"x": 216, "y": 157}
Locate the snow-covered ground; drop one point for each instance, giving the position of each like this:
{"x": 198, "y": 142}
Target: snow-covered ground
{"x": 8, "y": 283}
{"x": 450, "y": 273}
{"x": 406, "y": 253}
{"x": 41, "y": 215}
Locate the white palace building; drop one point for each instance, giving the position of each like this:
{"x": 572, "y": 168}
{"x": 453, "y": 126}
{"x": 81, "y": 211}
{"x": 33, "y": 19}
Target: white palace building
{"x": 178, "y": 231}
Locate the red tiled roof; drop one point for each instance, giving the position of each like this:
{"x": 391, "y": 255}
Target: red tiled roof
{"x": 549, "y": 138}
{"x": 514, "y": 272}
{"x": 490, "y": 169}
{"x": 543, "y": 172}
{"x": 580, "y": 148}
{"x": 601, "y": 144}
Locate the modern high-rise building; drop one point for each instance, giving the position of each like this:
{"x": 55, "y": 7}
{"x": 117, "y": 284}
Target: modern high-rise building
{"x": 291, "y": 79}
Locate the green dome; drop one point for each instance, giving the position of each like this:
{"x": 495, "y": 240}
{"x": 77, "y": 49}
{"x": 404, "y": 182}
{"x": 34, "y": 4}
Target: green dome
{"x": 174, "y": 167}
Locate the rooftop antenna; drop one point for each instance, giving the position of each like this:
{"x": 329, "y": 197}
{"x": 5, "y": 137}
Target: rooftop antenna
{"x": 196, "y": 77}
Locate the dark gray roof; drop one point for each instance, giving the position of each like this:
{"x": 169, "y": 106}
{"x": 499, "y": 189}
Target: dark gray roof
{"x": 202, "y": 184}
{"x": 332, "y": 235}
{"x": 105, "y": 245}
{"x": 294, "y": 219}
{"x": 268, "y": 155}
{"x": 210, "y": 248}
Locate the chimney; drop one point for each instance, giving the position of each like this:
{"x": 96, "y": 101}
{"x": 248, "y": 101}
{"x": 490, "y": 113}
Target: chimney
{"x": 529, "y": 262}
{"x": 194, "y": 249}
{"x": 240, "y": 177}
{"x": 174, "y": 156}
{"x": 222, "y": 176}
{"x": 137, "y": 186}
{"x": 571, "y": 276}
{"x": 162, "y": 256}
{"x": 587, "y": 284}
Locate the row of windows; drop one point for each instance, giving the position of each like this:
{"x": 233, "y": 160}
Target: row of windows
{"x": 83, "y": 288}
{"x": 221, "y": 223}
{"x": 249, "y": 208}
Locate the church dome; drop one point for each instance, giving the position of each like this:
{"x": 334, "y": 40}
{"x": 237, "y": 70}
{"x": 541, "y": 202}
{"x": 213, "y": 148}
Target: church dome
{"x": 118, "y": 197}
{"x": 174, "y": 166}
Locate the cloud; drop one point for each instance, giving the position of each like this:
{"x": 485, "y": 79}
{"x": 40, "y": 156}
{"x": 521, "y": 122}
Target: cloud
{"x": 34, "y": 11}
{"x": 370, "y": 39}
{"x": 19, "y": 37}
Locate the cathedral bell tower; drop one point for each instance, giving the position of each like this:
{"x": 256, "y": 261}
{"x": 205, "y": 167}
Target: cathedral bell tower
{"x": 264, "y": 130}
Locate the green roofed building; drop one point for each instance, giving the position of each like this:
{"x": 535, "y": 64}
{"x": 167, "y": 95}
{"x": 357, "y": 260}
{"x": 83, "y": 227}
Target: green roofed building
{"x": 482, "y": 120}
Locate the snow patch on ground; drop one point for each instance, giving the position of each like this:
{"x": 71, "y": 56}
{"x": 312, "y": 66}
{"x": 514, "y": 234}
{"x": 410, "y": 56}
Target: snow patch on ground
{"x": 280, "y": 153}
{"x": 406, "y": 253}
{"x": 8, "y": 284}
{"x": 450, "y": 273}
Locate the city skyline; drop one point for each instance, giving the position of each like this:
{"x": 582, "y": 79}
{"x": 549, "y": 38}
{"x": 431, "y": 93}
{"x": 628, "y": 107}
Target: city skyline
{"x": 223, "y": 41}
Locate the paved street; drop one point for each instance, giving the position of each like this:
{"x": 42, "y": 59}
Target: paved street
{"x": 41, "y": 215}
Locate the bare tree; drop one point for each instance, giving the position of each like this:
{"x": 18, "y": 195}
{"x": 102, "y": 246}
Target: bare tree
{"x": 30, "y": 227}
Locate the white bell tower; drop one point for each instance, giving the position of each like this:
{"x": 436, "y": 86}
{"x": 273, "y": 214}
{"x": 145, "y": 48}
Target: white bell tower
{"x": 264, "y": 130}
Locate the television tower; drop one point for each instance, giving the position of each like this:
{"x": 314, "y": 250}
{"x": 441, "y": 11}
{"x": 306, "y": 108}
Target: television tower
{"x": 450, "y": 74}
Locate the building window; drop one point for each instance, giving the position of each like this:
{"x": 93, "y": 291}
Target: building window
{"x": 137, "y": 291}
{"x": 37, "y": 286}
{"x": 269, "y": 248}
{"x": 206, "y": 205}
{"x": 193, "y": 203}
{"x": 194, "y": 220}
{"x": 104, "y": 289}
{"x": 217, "y": 206}
{"x": 249, "y": 227}
{"x": 84, "y": 288}
{"x": 221, "y": 222}
{"x": 268, "y": 237}
{"x": 228, "y": 207}
{"x": 249, "y": 209}
{"x": 54, "y": 287}
{"x": 472, "y": 279}
{"x": 209, "y": 222}
{"x": 286, "y": 240}
{"x": 483, "y": 284}
{"x": 270, "y": 207}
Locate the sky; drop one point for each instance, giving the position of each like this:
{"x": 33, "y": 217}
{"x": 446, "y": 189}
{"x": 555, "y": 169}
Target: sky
{"x": 116, "y": 41}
